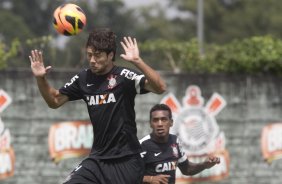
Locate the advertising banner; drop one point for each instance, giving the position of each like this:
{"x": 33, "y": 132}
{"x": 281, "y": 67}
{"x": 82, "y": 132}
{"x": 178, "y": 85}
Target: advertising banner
{"x": 7, "y": 156}
{"x": 70, "y": 139}
{"x": 271, "y": 142}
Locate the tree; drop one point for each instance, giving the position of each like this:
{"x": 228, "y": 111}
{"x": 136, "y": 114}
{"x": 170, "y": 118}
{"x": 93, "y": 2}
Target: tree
{"x": 254, "y": 55}
{"x": 36, "y": 14}
{"x": 228, "y": 20}
{"x": 13, "y": 26}
{"x": 7, "y": 52}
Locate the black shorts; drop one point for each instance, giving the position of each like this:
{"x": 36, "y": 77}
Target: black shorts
{"x": 125, "y": 170}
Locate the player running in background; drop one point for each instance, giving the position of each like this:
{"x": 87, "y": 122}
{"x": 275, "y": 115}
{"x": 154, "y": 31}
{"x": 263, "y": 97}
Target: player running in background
{"x": 162, "y": 152}
{"x": 109, "y": 92}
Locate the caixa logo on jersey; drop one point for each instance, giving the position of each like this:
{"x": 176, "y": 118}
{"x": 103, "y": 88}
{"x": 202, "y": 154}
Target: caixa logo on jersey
{"x": 197, "y": 129}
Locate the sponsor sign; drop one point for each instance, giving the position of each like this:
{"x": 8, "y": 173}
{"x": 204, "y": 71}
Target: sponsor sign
{"x": 70, "y": 139}
{"x": 196, "y": 127}
{"x": 7, "y": 163}
{"x": 7, "y": 156}
{"x": 5, "y": 139}
{"x": 5, "y": 100}
{"x": 271, "y": 142}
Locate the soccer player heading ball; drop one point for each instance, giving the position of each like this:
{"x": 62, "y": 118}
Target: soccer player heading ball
{"x": 109, "y": 92}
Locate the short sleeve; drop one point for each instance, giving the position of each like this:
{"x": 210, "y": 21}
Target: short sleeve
{"x": 72, "y": 89}
{"x": 182, "y": 154}
{"x": 136, "y": 81}
{"x": 140, "y": 85}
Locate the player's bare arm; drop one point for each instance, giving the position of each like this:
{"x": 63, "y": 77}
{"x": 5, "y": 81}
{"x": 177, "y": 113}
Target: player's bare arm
{"x": 154, "y": 82}
{"x": 195, "y": 168}
{"x": 158, "y": 179}
{"x": 51, "y": 95}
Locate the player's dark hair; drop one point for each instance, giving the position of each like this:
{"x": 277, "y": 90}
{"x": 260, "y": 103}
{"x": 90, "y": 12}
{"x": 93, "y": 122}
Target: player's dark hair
{"x": 162, "y": 107}
{"x": 103, "y": 40}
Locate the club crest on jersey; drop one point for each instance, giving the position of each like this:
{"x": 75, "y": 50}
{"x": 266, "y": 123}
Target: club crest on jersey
{"x": 112, "y": 81}
{"x": 174, "y": 150}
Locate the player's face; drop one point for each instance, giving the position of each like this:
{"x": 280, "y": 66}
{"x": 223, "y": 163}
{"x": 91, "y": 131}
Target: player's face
{"x": 100, "y": 62}
{"x": 161, "y": 123}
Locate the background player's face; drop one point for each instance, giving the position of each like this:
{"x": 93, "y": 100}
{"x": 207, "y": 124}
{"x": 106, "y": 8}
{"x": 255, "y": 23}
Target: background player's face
{"x": 160, "y": 123}
{"x": 100, "y": 62}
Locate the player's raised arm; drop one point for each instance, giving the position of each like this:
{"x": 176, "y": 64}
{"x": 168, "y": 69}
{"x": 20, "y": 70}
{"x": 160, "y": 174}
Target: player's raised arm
{"x": 51, "y": 95}
{"x": 154, "y": 82}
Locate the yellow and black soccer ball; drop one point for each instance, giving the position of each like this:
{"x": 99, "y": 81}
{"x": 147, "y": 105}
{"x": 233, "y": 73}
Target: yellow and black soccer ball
{"x": 69, "y": 19}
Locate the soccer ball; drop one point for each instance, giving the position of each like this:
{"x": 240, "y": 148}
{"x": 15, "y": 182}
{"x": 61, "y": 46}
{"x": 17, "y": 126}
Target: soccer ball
{"x": 69, "y": 19}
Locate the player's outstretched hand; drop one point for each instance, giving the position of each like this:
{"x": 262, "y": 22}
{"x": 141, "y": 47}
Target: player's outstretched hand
{"x": 37, "y": 65}
{"x": 131, "y": 50}
{"x": 211, "y": 161}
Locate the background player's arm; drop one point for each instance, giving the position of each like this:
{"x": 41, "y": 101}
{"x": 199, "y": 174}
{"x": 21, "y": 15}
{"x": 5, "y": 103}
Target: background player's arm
{"x": 158, "y": 179}
{"x": 51, "y": 95}
{"x": 154, "y": 82}
{"x": 194, "y": 168}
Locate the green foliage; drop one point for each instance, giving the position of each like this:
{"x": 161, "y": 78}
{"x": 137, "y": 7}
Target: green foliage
{"x": 170, "y": 54}
{"x": 110, "y": 13}
{"x": 36, "y": 14}
{"x": 250, "y": 56}
{"x": 13, "y": 26}
{"x": 226, "y": 20}
{"x": 7, "y": 53}
{"x": 168, "y": 42}
{"x": 157, "y": 25}
{"x": 39, "y": 42}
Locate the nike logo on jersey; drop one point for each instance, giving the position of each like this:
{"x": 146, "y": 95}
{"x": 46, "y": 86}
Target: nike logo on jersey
{"x": 157, "y": 154}
{"x": 88, "y": 85}
{"x": 101, "y": 99}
